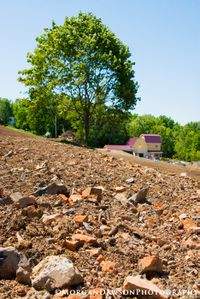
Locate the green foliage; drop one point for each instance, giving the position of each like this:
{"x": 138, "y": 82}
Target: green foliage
{"x": 109, "y": 127}
{"x": 187, "y": 145}
{"x": 39, "y": 116}
{"x": 21, "y": 114}
{"x": 5, "y": 111}
{"x": 85, "y": 62}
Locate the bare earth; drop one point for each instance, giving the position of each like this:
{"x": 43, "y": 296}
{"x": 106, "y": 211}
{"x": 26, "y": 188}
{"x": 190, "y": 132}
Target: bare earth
{"x": 192, "y": 171}
{"x": 147, "y": 228}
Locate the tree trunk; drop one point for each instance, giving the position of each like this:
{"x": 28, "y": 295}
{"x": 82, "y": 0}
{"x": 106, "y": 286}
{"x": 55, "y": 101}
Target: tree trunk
{"x": 55, "y": 127}
{"x": 86, "y": 127}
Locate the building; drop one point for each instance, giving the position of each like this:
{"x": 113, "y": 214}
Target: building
{"x": 147, "y": 146}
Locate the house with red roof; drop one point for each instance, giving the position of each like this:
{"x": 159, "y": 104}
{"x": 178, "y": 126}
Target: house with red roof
{"x": 147, "y": 146}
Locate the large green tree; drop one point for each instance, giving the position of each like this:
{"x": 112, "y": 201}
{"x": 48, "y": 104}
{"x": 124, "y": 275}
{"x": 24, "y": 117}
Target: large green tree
{"x": 21, "y": 113}
{"x": 187, "y": 146}
{"x": 5, "y": 110}
{"x": 84, "y": 61}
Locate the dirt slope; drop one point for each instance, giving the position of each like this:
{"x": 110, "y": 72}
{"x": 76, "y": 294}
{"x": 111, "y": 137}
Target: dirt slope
{"x": 190, "y": 170}
{"x": 149, "y": 228}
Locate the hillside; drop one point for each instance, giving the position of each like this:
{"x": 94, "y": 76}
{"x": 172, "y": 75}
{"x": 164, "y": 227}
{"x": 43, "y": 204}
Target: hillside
{"x": 121, "y": 228}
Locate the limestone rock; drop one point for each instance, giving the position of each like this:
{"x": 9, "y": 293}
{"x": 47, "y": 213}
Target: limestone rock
{"x": 55, "y": 272}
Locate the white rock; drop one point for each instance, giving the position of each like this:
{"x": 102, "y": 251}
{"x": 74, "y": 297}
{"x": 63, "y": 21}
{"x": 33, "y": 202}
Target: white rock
{"x": 55, "y": 272}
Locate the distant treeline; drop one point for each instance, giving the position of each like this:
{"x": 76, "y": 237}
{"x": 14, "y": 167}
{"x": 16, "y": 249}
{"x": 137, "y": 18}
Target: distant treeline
{"x": 108, "y": 126}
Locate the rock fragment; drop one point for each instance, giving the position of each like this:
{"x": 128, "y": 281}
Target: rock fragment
{"x": 22, "y": 201}
{"x": 150, "y": 264}
{"x": 142, "y": 288}
{"x": 48, "y": 219}
{"x": 93, "y": 191}
{"x": 52, "y": 189}
{"x": 22, "y": 243}
{"x": 14, "y": 264}
{"x": 55, "y": 272}
{"x": 140, "y": 196}
{"x": 122, "y": 197}
{"x": 130, "y": 181}
{"x": 80, "y": 218}
{"x": 84, "y": 239}
{"x": 72, "y": 245}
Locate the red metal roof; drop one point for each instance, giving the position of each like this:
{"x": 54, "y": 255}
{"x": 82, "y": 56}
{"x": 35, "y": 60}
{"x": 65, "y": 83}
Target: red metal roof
{"x": 118, "y": 147}
{"x": 131, "y": 141}
{"x": 152, "y": 138}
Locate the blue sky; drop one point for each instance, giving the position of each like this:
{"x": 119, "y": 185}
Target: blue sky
{"x": 163, "y": 36}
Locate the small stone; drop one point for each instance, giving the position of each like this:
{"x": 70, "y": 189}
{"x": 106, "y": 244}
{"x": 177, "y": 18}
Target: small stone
{"x": 114, "y": 231}
{"x": 64, "y": 198}
{"x": 23, "y": 244}
{"x": 143, "y": 287}
{"x": 72, "y": 245}
{"x": 122, "y": 197}
{"x": 120, "y": 189}
{"x": 48, "y": 219}
{"x": 52, "y": 189}
{"x": 150, "y": 264}
{"x": 93, "y": 191}
{"x": 22, "y": 201}
{"x": 9, "y": 154}
{"x": 23, "y": 276}
{"x": 100, "y": 258}
{"x": 130, "y": 181}
{"x": 80, "y": 218}
{"x": 88, "y": 227}
{"x": 108, "y": 266}
{"x": 183, "y": 174}
{"x": 84, "y": 239}
{"x": 94, "y": 252}
{"x": 159, "y": 207}
{"x": 140, "y": 196}
{"x": 32, "y": 211}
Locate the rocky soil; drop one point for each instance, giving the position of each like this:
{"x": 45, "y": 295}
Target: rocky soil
{"x": 98, "y": 220}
